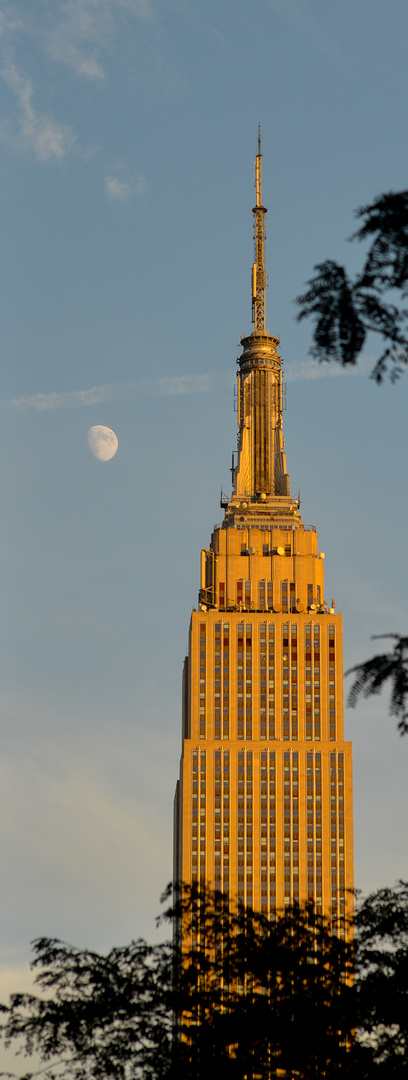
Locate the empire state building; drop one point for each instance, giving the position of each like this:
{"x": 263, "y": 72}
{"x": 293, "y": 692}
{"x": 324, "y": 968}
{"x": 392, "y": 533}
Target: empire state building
{"x": 263, "y": 806}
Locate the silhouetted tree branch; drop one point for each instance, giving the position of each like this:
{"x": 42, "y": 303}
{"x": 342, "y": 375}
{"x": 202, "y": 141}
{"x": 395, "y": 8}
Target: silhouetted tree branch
{"x": 373, "y": 674}
{"x": 381, "y": 927}
{"x": 248, "y": 984}
{"x": 236, "y": 996}
{"x": 345, "y": 310}
{"x": 101, "y": 1016}
{"x": 225, "y": 1000}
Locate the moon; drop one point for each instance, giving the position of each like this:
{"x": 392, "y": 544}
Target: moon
{"x": 102, "y": 442}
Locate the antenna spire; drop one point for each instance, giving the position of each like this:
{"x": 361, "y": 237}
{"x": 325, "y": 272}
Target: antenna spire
{"x": 258, "y": 269}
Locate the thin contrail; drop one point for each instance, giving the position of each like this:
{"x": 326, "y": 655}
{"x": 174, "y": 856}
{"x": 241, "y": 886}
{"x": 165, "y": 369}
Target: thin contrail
{"x": 95, "y": 395}
{"x": 171, "y": 385}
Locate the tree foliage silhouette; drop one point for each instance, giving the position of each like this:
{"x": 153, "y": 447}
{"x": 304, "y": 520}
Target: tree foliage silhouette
{"x": 99, "y": 1016}
{"x": 346, "y": 309}
{"x": 381, "y": 927}
{"x": 250, "y": 997}
{"x": 263, "y": 996}
{"x": 391, "y": 667}
{"x": 230, "y": 1007}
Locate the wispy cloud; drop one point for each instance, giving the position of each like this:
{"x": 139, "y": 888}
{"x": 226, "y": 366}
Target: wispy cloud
{"x": 168, "y": 386}
{"x": 312, "y": 369}
{"x": 75, "y": 33}
{"x": 95, "y": 395}
{"x": 300, "y": 17}
{"x": 37, "y": 132}
{"x": 80, "y": 35}
{"x": 123, "y": 189}
{"x": 82, "y": 31}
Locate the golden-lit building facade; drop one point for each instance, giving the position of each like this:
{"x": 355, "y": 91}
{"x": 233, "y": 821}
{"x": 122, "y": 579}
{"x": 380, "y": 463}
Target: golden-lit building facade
{"x": 263, "y": 806}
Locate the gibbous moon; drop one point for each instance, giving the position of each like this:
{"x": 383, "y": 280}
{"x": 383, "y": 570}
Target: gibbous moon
{"x": 102, "y": 442}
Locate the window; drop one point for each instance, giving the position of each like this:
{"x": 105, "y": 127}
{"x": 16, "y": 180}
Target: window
{"x": 217, "y": 681}
{"x": 271, "y": 680}
{"x": 293, "y": 659}
{"x": 202, "y": 683}
{"x": 284, "y": 595}
{"x": 225, "y": 689}
{"x": 262, "y": 681}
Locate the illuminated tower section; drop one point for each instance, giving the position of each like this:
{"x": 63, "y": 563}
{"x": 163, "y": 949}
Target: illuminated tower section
{"x": 263, "y": 807}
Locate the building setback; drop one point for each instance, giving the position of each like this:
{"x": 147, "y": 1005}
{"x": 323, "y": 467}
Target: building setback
{"x": 263, "y": 807}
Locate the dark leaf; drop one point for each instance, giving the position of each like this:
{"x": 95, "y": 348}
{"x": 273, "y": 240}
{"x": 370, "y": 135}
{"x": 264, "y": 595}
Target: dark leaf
{"x": 346, "y": 310}
{"x": 386, "y": 219}
{"x": 339, "y": 332}
{"x": 374, "y": 673}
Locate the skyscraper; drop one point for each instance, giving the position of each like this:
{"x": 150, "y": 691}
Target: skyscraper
{"x": 263, "y": 806}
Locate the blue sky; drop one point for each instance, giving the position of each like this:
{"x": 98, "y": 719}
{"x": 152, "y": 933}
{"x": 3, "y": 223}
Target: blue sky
{"x": 127, "y": 137}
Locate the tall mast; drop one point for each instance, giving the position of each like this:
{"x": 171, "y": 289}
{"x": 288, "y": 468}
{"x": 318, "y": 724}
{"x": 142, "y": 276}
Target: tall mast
{"x": 258, "y": 269}
{"x": 260, "y": 477}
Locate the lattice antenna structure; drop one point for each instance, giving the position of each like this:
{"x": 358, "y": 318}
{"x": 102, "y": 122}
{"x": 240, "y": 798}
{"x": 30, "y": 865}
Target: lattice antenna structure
{"x": 258, "y": 269}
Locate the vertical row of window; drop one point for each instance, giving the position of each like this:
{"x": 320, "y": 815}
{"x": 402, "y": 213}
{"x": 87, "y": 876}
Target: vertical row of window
{"x": 225, "y": 681}
{"x": 288, "y": 599}
{"x": 289, "y": 682}
{"x": 308, "y": 682}
{"x": 312, "y": 686}
{"x": 265, "y": 594}
{"x": 243, "y": 593}
{"x": 221, "y": 680}
{"x": 267, "y": 681}
{"x": 244, "y": 680}
{"x": 294, "y": 680}
{"x": 245, "y": 825}
{"x": 338, "y": 896}
{"x": 198, "y": 815}
{"x": 203, "y": 640}
{"x": 332, "y": 685}
{"x": 316, "y": 681}
{"x": 217, "y": 681}
{"x": 268, "y": 822}
{"x": 248, "y": 681}
{"x": 240, "y": 681}
{"x": 291, "y": 827}
{"x": 285, "y": 681}
{"x": 314, "y": 597}
{"x": 271, "y": 680}
{"x": 314, "y": 827}
{"x": 222, "y": 820}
